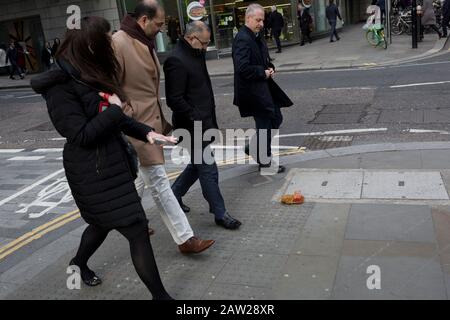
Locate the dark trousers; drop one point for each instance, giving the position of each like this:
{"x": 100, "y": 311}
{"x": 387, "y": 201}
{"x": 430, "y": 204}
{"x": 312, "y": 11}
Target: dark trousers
{"x": 333, "y": 29}
{"x": 422, "y": 29}
{"x": 208, "y": 175}
{"x": 261, "y": 124}
{"x": 306, "y": 33}
{"x": 13, "y": 69}
{"x": 445, "y": 22}
{"x": 276, "y": 35}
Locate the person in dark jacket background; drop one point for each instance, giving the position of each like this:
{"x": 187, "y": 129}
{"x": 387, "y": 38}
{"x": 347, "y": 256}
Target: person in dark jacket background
{"x": 11, "y": 57}
{"x": 332, "y": 13}
{"x": 190, "y": 96}
{"x": 445, "y": 17}
{"x": 255, "y": 92}
{"x": 305, "y": 22}
{"x": 56, "y": 44}
{"x": 84, "y": 101}
{"x": 276, "y": 24}
{"x": 46, "y": 56}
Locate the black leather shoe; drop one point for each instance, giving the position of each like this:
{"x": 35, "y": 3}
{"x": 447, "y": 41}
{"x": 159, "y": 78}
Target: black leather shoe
{"x": 281, "y": 169}
{"x": 228, "y": 222}
{"x": 247, "y": 149}
{"x": 185, "y": 208}
{"x": 90, "y": 278}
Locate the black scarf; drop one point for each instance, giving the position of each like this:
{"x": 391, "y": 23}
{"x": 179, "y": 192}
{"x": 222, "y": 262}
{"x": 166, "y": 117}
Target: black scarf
{"x": 131, "y": 27}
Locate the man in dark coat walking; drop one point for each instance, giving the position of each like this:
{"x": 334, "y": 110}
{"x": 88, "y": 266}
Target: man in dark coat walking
{"x": 276, "y": 24}
{"x": 11, "y": 57}
{"x": 190, "y": 96}
{"x": 305, "y": 22}
{"x": 332, "y": 13}
{"x": 255, "y": 92}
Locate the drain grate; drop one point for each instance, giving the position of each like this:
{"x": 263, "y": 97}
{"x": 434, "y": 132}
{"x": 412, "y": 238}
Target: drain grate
{"x": 327, "y": 142}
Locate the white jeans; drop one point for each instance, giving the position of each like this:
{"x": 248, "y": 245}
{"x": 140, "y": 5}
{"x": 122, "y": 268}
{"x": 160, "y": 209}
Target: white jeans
{"x": 155, "y": 178}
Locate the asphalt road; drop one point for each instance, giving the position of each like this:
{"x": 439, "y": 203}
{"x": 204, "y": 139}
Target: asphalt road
{"x": 395, "y": 99}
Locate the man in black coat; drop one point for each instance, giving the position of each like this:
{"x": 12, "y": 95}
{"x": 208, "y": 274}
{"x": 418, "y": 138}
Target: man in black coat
{"x": 332, "y": 13}
{"x": 255, "y": 92}
{"x": 11, "y": 57}
{"x": 190, "y": 96}
{"x": 276, "y": 24}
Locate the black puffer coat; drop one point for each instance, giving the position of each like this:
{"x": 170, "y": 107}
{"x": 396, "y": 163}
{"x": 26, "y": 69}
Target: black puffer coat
{"x": 94, "y": 157}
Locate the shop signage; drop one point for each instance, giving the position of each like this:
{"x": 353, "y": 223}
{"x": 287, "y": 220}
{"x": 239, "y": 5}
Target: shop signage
{"x": 307, "y": 3}
{"x": 196, "y": 11}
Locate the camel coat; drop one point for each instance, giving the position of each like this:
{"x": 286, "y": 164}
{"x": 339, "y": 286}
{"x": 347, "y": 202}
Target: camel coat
{"x": 140, "y": 81}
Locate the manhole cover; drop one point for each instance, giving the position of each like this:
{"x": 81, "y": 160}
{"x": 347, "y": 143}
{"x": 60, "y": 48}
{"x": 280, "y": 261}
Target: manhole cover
{"x": 340, "y": 113}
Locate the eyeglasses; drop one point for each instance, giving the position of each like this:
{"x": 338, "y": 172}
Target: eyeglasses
{"x": 204, "y": 43}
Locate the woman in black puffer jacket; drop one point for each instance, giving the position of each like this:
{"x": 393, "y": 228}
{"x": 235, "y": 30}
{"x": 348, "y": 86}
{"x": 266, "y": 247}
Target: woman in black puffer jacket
{"x": 98, "y": 167}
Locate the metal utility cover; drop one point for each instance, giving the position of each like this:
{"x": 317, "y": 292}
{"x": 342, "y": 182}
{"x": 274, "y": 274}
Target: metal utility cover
{"x": 424, "y": 185}
{"x": 327, "y": 184}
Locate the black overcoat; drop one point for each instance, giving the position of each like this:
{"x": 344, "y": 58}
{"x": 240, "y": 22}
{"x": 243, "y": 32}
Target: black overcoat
{"x": 94, "y": 157}
{"x": 253, "y": 93}
{"x": 189, "y": 91}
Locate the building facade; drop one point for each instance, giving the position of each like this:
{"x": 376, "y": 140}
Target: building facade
{"x": 33, "y": 22}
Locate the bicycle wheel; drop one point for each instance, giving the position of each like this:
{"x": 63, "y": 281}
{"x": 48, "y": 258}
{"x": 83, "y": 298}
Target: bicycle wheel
{"x": 372, "y": 38}
{"x": 396, "y": 27}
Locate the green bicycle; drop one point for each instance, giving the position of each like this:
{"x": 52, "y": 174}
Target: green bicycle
{"x": 375, "y": 36}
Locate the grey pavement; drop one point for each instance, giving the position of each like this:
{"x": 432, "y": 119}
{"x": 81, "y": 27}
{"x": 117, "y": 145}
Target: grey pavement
{"x": 374, "y": 225}
{"x": 351, "y": 51}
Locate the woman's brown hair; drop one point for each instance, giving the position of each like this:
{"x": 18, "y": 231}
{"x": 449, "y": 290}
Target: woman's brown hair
{"x": 89, "y": 50}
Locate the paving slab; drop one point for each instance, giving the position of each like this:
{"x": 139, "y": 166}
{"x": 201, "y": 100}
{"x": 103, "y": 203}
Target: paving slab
{"x": 386, "y": 222}
{"x": 224, "y": 291}
{"x": 328, "y": 184}
{"x": 252, "y": 269}
{"x": 392, "y": 160}
{"x": 324, "y": 231}
{"x": 420, "y": 185}
{"x": 436, "y": 159}
{"x": 346, "y": 162}
{"x": 407, "y": 271}
{"x": 306, "y": 277}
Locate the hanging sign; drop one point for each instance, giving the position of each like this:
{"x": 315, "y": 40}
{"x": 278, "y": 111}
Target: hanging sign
{"x": 196, "y": 11}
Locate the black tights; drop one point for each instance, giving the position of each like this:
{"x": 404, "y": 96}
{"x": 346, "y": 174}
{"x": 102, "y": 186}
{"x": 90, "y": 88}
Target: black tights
{"x": 141, "y": 254}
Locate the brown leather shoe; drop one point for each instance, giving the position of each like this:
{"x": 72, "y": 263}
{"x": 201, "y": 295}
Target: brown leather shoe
{"x": 195, "y": 245}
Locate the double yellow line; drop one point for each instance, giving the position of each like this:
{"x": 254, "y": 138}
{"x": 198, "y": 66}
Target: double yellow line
{"x": 54, "y": 224}
{"x": 37, "y": 233}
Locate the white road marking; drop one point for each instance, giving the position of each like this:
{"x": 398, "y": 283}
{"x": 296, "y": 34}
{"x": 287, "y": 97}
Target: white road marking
{"x": 31, "y": 96}
{"x": 58, "y": 188}
{"x": 11, "y": 150}
{"x": 321, "y": 133}
{"x": 419, "y": 84}
{"x": 57, "y": 139}
{"x": 39, "y": 182}
{"x": 30, "y": 158}
{"x": 426, "y": 131}
{"x": 49, "y": 150}
{"x": 350, "y": 88}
